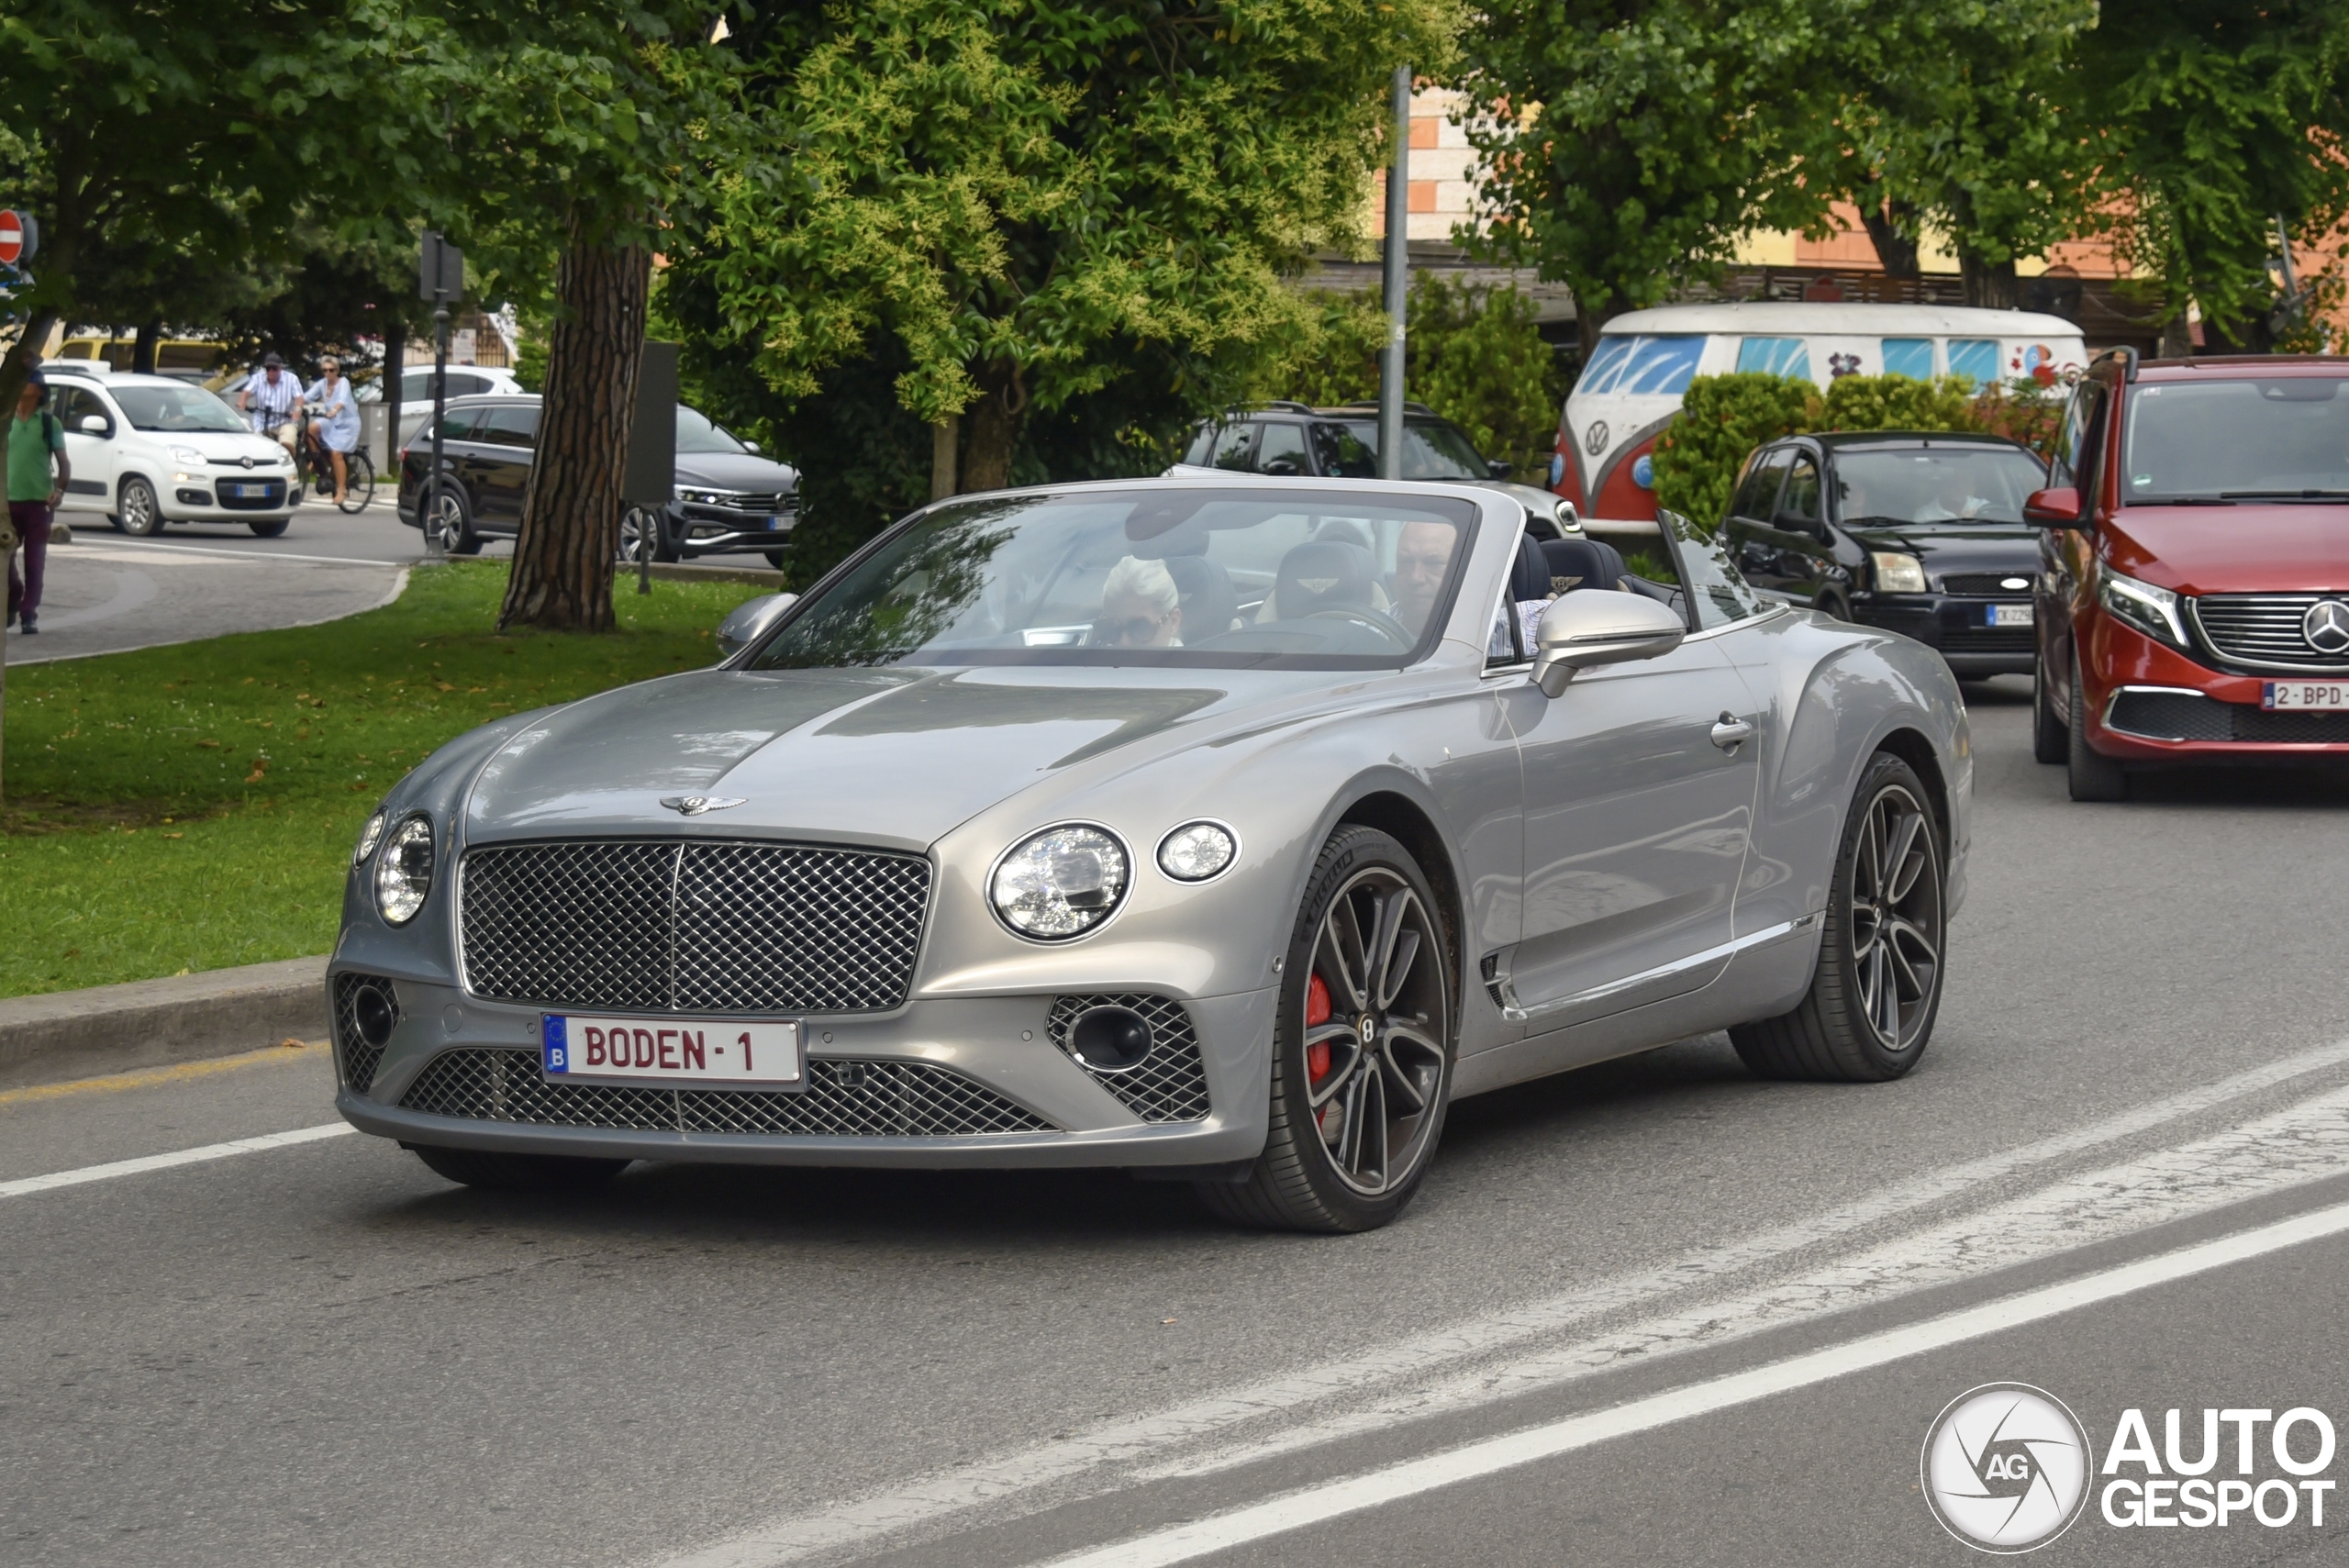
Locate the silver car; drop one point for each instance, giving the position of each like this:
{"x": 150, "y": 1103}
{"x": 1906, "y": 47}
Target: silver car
{"x": 1222, "y": 831}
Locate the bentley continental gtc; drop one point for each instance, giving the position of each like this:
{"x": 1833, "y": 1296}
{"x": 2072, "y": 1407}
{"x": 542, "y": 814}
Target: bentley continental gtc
{"x": 1223, "y": 829}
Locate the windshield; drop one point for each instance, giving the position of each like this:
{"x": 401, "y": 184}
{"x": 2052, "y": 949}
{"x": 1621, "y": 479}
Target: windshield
{"x": 1647, "y": 366}
{"x": 1198, "y": 578}
{"x": 2221, "y": 439}
{"x": 1939, "y": 485}
{"x": 1349, "y": 449}
{"x": 175, "y": 408}
{"x": 697, "y": 434}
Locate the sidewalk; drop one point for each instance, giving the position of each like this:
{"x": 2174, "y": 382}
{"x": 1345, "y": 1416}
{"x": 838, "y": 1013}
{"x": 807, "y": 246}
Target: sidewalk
{"x": 64, "y": 1035}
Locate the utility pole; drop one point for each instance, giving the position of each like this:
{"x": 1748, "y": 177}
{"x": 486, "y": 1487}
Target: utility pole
{"x": 440, "y": 277}
{"x": 1398, "y": 282}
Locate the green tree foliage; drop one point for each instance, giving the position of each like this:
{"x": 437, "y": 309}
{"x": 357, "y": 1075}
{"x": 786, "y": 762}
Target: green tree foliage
{"x": 1631, "y": 143}
{"x": 1020, "y": 194}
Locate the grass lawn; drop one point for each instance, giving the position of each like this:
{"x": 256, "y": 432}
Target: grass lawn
{"x": 194, "y": 806}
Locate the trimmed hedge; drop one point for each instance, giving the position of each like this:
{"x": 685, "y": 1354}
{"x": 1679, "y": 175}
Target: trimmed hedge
{"x": 1724, "y": 417}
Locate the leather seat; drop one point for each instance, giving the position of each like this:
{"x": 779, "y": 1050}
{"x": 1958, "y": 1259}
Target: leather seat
{"x": 1324, "y": 575}
{"x": 1575, "y": 563}
{"x": 1210, "y": 604}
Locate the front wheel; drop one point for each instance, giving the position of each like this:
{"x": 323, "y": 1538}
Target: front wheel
{"x": 2048, "y": 741}
{"x": 1361, "y": 1048}
{"x": 535, "y": 1173}
{"x": 779, "y": 559}
{"x": 2090, "y": 774}
{"x": 641, "y": 531}
{"x": 270, "y": 528}
{"x": 453, "y": 521}
{"x": 140, "y": 511}
{"x": 1877, "y": 987}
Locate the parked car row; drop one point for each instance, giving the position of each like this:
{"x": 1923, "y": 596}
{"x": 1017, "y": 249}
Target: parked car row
{"x": 728, "y": 498}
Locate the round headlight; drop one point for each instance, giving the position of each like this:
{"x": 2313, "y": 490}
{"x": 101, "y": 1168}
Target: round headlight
{"x": 369, "y": 837}
{"x": 1060, "y": 883}
{"x": 403, "y": 876}
{"x": 1197, "y": 851}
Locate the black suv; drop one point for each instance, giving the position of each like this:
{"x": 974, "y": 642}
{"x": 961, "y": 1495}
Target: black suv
{"x": 1921, "y": 534}
{"x": 728, "y": 498}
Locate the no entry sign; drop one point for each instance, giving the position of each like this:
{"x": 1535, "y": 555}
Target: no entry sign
{"x": 12, "y": 238}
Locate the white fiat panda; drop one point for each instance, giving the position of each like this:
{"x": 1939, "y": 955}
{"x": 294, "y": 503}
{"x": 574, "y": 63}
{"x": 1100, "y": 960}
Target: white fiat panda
{"x": 151, "y": 449}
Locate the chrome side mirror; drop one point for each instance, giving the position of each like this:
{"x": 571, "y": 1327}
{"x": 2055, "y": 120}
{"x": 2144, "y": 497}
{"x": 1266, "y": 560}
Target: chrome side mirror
{"x": 1595, "y": 626}
{"x": 1569, "y": 519}
{"x": 750, "y": 622}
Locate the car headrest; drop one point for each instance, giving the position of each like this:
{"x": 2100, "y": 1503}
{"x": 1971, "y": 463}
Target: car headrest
{"x": 1529, "y": 574}
{"x": 1323, "y": 574}
{"x": 1582, "y": 563}
{"x": 1209, "y": 601}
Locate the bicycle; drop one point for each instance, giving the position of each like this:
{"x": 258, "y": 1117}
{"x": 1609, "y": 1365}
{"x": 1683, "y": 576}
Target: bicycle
{"x": 314, "y": 467}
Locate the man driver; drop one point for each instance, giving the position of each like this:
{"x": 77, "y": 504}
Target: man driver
{"x": 273, "y": 401}
{"x": 1422, "y": 553}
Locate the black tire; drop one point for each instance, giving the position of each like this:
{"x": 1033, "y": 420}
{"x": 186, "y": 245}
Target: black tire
{"x": 509, "y": 1172}
{"x": 2048, "y": 741}
{"x": 779, "y": 559}
{"x": 2092, "y": 776}
{"x": 1320, "y": 1170}
{"x": 455, "y": 523}
{"x": 636, "y": 524}
{"x": 1868, "y": 973}
{"x": 359, "y": 482}
{"x": 1833, "y": 607}
{"x": 139, "y": 514}
{"x": 271, "y": 528}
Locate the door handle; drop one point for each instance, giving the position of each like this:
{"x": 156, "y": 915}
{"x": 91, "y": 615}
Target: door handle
{"x": 1731, "y": 732}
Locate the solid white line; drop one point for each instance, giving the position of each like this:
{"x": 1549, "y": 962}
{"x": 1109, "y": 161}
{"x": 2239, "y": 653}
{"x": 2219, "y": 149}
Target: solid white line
{"x": 1356, "y": 1493}
{"x": 107, "y": 546}
{"x": 147, "y": 1162}
{"x": 927, "y": 1500}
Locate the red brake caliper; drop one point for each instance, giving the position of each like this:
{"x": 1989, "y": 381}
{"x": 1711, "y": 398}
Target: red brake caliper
{"x": 1316, "y": 1012}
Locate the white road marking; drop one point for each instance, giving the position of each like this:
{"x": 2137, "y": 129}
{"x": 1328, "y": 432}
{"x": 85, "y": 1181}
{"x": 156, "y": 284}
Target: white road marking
{"x": 146, "y": 1163}
{"x": 149, "y": 549}
{"x": 1355, "y": 1494}
{"x": 930, "y": 1500}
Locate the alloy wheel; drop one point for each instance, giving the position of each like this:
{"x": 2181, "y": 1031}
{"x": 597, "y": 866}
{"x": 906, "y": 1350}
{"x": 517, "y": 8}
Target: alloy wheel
{"x": 1895, "y": 917}
{"x": 1376, "y": 1019}
{"x": 449, "y": 522}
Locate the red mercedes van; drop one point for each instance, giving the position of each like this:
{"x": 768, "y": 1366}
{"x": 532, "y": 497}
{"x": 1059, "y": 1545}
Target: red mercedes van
{"x": 2193, "y": 600}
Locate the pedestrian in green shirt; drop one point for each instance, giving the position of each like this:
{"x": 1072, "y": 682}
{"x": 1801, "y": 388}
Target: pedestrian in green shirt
{"x": 37, "y": 473}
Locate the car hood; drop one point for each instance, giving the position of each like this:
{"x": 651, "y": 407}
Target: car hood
{"x": 1957, "y": 547}
{"x": 219, "y": 444}
{"x": 2244, "y": 549}
{"x": 891, "y": 757}
{"x": 735, "y": 470}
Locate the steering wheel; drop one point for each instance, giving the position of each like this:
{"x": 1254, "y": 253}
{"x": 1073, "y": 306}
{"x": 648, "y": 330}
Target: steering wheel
{"x": 1377, "y": 620}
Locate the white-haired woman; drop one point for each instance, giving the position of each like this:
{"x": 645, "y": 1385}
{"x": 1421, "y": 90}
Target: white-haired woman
{"x": 1139, "y": 608}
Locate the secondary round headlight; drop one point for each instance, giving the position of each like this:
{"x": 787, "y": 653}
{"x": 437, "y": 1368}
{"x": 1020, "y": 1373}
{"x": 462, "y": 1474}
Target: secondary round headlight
{"x": 403, "y": 875}
{"x": 369, "y": 837}
{"x": 1060, "y": 883}
{"x": 1197, "y": 851}
{"x": 1898, "y": 571}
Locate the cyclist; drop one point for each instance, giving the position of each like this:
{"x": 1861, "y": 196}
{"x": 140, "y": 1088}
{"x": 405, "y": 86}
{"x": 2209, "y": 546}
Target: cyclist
{"x": 335, "y": 430}
{"x": 273, "y": 401}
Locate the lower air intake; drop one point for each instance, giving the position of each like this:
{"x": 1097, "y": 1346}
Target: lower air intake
{"x": 1169, "y": 1082}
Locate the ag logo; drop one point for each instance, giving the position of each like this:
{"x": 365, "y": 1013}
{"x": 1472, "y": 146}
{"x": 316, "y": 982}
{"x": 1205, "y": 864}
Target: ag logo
{"x": 2006, "y": 1468}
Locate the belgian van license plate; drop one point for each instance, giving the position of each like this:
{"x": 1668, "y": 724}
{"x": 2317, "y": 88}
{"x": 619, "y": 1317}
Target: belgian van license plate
{"x": 672, "y": 1051}
{"x": 2305, "y": 697}
{"x": 2007, "y": 614}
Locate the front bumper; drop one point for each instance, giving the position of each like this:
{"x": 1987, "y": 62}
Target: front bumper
{"x": 1955, "y": 625}
{"x": 2147, "y": 702}
{"x": 1002, "y": 1046}
{"x": 696, "y": 529}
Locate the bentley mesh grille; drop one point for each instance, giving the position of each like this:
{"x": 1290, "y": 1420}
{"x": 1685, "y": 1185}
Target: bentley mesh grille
{"x": 1170, "y": 1083}
{"x": 2263, "y": 630}
{"x": 691, "y": 926}
{"x": 359, "y": 1059}
{"x": 844, "y": 1098}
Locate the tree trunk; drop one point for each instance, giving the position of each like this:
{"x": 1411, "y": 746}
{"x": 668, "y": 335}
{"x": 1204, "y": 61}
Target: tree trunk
{"x": 570, "y": 535}
{"x": 1892, "y": 228}
{"x": 2252, "y": 336}
{"x": 994, "y": 429}
{"x": 142, "y": 347}
{"x": 1992, "y": 285}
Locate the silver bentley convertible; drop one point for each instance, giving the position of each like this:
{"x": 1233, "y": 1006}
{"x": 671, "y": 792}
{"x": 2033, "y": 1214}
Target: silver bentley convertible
{"x": 1224, "y": 831}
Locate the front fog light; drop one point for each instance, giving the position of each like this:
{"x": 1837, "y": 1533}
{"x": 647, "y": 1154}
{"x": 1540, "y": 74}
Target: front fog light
{"x": 1898, "y": 571}
{"x": 1060, "y": 883}
{"x": 369, "y": 837}
{"x": 1197, "y": 851}
{"x": 403, "y": 875}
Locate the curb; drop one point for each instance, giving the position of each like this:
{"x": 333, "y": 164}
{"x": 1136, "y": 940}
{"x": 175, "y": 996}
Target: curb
{"x": 693, "y": 571}
{"x": 152, "y": 1023}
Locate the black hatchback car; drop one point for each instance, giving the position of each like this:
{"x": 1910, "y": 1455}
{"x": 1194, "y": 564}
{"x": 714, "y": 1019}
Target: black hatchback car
{"x": 728, "y": 498}
{"x": 1921, "y": 534}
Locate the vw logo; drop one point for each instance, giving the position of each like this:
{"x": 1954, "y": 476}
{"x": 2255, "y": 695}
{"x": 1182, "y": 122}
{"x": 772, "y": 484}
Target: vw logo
{"x": 2326, "y": 626}
{"x": 1594, "y": 440}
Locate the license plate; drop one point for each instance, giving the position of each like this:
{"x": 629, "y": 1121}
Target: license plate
{"x": 241, "y": 491}
{"x": 674, "y": 1050}
{"x": 2006, "y": 615}
{"x": 2317, "y": 696}
{"x": 778, "y": 520}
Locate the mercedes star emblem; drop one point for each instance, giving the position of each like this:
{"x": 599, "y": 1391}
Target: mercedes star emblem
{"x": 1594, "y": 440}
{"x": 694, "y": 805}
{"x": 2326, "y": 626}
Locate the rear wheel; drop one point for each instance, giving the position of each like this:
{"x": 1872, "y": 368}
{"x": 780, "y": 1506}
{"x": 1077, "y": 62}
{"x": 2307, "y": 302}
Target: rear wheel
{"x": 537, "y": 1173}
{"x": 2093, "y": 776}
{"x": 2048, "y": 741}
{"x": 1361, "y": 1048}
{"x": 1877, "y": 988}
{"x": 140, "y": 511}
{"x": 358, "y": 481}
